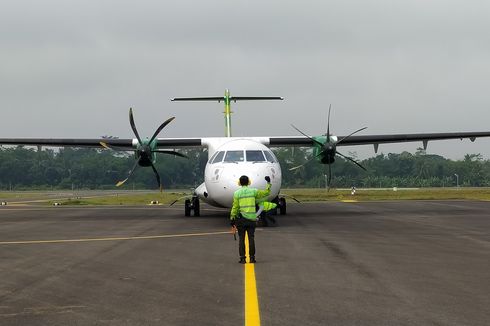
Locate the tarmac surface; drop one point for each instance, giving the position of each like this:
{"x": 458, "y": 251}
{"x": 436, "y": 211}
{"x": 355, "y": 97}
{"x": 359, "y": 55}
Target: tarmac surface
{"x": 335, "y": 263}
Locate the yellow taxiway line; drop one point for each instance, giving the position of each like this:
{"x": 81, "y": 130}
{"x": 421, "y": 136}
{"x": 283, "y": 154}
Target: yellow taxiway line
{"x": 252, "y": 315}
{"x": 113, "y": 238}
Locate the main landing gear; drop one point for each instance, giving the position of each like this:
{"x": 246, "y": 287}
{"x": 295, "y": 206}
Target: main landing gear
{"x": 281, "y": 205}
{"x": 192, "y": 205}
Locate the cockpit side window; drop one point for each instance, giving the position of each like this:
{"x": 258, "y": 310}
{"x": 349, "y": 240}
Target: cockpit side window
{"x": 218, "y": 157}
{"x": 270, "y": 157}
{"x": 234, "y": 156}
{"x": 212, "y": 157}
{"x": 255, "y": 156}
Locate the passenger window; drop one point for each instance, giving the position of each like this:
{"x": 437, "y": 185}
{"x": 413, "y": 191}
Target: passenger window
{"x": 269, "y": 156}
{"x": 219, "y": 157}
{"x": 255, "y": 156}
{"x": 234, "y": 156}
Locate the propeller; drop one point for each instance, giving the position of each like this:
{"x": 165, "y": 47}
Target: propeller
{"x": 328, "y": 149}
{"x": 144, "y": 150}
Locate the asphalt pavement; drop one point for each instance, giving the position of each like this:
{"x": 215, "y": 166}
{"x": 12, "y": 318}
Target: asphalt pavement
{"x": 335, "y": 263}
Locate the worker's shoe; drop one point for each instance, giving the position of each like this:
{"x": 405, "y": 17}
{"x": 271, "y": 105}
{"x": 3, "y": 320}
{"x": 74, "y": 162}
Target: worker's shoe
{"x": 242, "y": 260}
{"x": 252, "y": 260}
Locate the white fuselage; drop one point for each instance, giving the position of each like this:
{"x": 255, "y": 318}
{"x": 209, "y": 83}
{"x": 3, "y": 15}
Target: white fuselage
{"x": 231, "y": 157}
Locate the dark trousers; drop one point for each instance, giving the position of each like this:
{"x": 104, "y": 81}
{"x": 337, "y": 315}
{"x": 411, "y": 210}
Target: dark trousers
{"x": 243, "y": 225}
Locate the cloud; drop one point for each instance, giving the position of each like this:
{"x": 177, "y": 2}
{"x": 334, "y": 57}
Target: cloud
{"x": 72, "y": 69}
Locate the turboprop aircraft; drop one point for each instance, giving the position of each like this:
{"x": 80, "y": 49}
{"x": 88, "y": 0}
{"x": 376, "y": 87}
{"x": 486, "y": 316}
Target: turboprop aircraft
{"x": 230, "y": 157}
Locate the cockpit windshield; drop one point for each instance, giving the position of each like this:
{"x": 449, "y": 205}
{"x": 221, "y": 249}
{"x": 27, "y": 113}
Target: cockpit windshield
{"x": 255, "y": 156}
{"x": 233, "y": 156}
{"x": 242, "y": 156}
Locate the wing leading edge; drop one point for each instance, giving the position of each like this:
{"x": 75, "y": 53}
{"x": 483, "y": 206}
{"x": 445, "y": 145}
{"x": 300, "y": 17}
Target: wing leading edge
{"x": 273, "y": 141}
{"x": 96, "y": 142}
{"x": 381, "y": 139}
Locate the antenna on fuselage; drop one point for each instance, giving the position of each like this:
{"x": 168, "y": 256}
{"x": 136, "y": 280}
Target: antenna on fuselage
{"x": 227, "y": 99}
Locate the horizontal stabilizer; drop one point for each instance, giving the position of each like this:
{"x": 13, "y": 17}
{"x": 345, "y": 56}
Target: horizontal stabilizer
{"x": 232, "y": 98}
{"x": 255, "y": 98}
{"x": 198, "y": 99}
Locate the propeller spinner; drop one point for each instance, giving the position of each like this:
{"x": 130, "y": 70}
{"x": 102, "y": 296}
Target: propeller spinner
{"x": 145, "y": 150}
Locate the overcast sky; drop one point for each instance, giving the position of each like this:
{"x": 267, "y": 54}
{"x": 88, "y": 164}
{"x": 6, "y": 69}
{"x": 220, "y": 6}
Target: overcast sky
{"x": 73, "y": 68}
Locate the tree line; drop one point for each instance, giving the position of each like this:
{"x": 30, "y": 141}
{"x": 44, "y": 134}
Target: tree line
{"x": 24, "y": 168}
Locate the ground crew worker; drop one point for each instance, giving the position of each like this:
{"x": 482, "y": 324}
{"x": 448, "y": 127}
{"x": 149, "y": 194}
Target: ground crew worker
{"x": 243, "y": 215}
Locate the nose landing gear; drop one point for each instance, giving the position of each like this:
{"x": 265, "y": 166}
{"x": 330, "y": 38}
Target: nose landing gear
{"x": 192, "y": 205}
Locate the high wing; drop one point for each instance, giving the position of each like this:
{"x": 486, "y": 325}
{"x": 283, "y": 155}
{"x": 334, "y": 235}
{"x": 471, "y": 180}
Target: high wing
{"x": 129, "y": 144}
{"x": 325, "y": 146}
{"x": 273, "y": 141}
{"x": 380, "y": 139}
{"x": 67, "y": 142}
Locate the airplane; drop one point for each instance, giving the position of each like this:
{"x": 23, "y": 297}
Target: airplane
{"x": 230, "y": 157}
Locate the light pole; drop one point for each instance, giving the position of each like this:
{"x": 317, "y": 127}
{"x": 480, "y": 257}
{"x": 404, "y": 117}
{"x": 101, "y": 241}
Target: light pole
{"x": 457, "y": 180}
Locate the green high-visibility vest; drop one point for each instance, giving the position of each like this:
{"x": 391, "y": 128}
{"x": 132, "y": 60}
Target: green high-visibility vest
{"x": 244, "y": 201}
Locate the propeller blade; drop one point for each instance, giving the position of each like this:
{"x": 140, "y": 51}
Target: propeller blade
{"x": 297, "y": 167}
{"x": 352, "y": 160}
{"x": 133, "y": 126}
{"x": 311, "y": 159}
{"x": 180, "y": 198}
{"x": 162, "y": 151}
{"x": 289, "y": 196}
{"x": 120, "y": 183}
{"x": 355, "y": 132}
{"x": 160, "y": 128}
{"x": 315, "y": 141}
{"x": 158, "y": 177}
{"x": 328, "y": 124}
{"x": 308, "y": 161}
{"x": 116, "y": 148}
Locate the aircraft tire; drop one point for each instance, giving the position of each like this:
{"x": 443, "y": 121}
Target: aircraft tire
{"x": 197, "y": 208}
{"x": 263, "y": 220}
{"x": 187, "y": 207}
{"x": 282, "y": 206}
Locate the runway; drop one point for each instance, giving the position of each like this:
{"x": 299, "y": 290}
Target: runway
{"x": 335, "y": 263}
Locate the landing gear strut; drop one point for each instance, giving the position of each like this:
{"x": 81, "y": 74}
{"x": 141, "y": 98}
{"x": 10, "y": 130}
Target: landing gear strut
{"x": 192, "y": 205}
